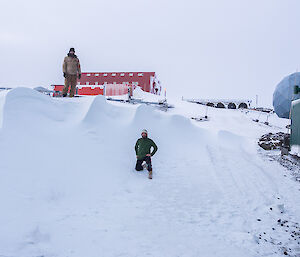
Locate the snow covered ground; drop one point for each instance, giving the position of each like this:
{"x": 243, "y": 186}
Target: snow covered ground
{"x": 68, "y": 186}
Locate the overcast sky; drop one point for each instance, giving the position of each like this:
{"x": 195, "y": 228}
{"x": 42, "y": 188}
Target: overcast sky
{"x": 202, "y": 49}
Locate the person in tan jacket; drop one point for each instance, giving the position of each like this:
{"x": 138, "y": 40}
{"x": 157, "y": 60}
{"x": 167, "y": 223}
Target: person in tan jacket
{"x": 72, "y": 71}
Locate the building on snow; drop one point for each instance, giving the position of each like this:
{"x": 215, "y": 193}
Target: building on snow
{"x": 115, "y": 83}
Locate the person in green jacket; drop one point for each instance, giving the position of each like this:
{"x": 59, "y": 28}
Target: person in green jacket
{"x": 143, "y": 152}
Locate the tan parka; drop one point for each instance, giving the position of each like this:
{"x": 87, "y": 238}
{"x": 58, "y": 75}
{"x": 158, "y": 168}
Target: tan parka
{"x": 71, "y": 65}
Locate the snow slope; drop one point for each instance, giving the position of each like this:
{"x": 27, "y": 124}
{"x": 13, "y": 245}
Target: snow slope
{"x": 68, "y": 185}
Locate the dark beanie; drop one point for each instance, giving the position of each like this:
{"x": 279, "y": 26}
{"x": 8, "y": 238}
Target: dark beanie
{"x": 72, "y": 49}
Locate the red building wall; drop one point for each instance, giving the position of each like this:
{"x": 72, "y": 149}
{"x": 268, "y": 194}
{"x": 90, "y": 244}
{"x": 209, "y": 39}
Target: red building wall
{"x": 82, "y": 90}
{"x": 141, "y": 79}
{"x": 90, "y": 79}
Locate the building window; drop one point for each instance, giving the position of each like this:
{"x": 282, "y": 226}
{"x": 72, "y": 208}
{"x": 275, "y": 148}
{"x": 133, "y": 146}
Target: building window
{"x": 97, "y": 75}
{"x": 115, "y": 83}
{"x": 87, "y": 83}
{"x": 122, "y": 74}
{"x": 105, "y": 75}
{"x": 89, "y": 74}
{"x": 140, "y": 74}
{"x": 130, "y": 74}
{"x": 96, "y": 83}
{"x": 113, "y": 74}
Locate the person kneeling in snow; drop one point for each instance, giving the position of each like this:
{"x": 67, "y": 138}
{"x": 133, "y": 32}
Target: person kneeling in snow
{"x": 143, "y": 152}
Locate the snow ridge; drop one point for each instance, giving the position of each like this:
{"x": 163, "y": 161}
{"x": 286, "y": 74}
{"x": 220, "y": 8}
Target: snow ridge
{"x": 68, "y": 185}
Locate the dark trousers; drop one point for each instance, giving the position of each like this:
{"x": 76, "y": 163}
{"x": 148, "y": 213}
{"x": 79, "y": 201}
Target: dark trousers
{"x": 139, "y": 166}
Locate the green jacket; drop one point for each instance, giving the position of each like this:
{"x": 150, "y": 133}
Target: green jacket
{"x": 143, "y": 147}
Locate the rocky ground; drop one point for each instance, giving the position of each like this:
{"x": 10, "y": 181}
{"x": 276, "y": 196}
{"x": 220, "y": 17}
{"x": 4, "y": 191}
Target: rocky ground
{"x": 272, "y": 141}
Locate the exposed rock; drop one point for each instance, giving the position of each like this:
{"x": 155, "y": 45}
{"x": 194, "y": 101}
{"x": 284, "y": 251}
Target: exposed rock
{"x": 272, "y": 141}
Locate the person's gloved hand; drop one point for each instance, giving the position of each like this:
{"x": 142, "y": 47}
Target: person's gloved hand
{"x": 65, "y": 74}
{"x": 79, "y": 76}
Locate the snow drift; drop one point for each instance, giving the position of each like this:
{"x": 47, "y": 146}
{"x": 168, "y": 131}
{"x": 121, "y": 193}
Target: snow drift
{"x": 68, "y": 185}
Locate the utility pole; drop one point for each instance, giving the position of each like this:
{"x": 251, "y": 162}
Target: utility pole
{"x": 256, "y": 102}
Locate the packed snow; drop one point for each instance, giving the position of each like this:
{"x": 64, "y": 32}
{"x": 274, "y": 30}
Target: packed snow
{"x": 68, "y": 187}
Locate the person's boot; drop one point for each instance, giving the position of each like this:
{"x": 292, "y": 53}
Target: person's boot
{"x": 150, "y": 174}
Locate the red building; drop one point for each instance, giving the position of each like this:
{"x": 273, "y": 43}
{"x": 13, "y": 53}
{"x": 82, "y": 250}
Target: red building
{"x": 92, "y": 83}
